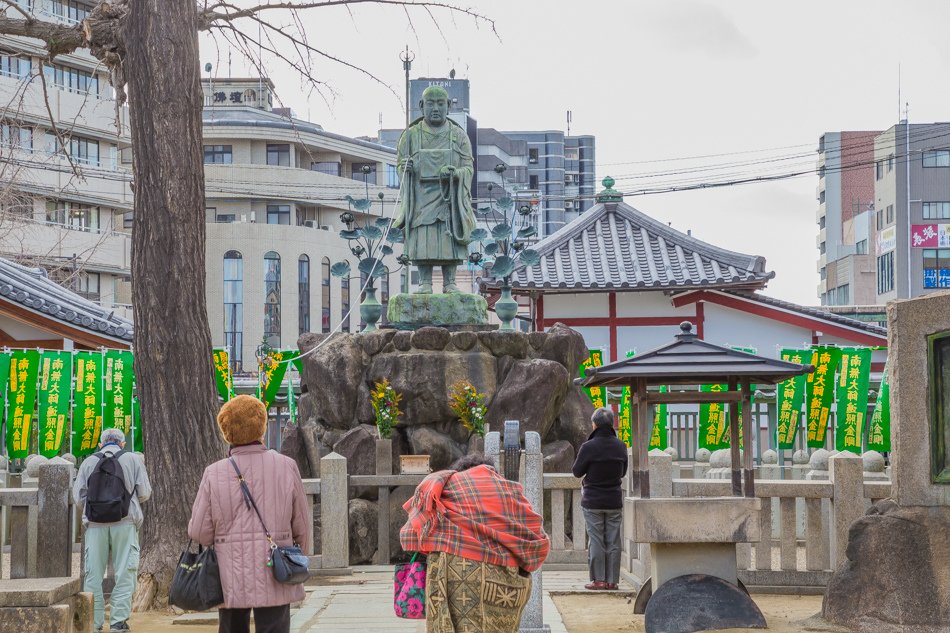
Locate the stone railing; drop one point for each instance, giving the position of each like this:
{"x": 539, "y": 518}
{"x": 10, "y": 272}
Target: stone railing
{"x": 563, "y": 493}
{"x": 807, "y": 519}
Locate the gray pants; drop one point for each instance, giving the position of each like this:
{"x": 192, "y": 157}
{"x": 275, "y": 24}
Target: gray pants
{"x": 603, "y": 553}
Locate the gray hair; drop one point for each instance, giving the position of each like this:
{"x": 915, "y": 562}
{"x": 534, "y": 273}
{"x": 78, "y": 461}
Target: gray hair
{"x": 112, "y": 436}
{"x": 603, "y": 417}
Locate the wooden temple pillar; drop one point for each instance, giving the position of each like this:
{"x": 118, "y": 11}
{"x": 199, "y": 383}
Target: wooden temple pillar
{"x": 641, "y": 440}
{"x": 747, "y": 431}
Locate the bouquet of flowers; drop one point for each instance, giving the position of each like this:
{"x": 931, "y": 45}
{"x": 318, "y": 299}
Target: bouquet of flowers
{"x": 385, "y": 403}
{"x": 469, "y": 406}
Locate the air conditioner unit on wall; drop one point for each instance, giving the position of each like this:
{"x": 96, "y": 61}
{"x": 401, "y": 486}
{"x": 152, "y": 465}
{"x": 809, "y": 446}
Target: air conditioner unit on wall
{"x": 326, "y": 228}
{"x": 309, "y": 223}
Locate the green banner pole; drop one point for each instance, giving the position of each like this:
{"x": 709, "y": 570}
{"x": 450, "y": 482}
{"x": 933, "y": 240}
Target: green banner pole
{"x": 24, "y": 370}
{"x": 819, "y": 393}
{"x": 879, "y": 433}
{"x": 53, "y": 405}
{"x": 790, "y": 395}
{"x": 659, "y": 438}
{"x": 852, "y": 400}
{"x": 87, "y": 413}
{"x": 597, "y": 395}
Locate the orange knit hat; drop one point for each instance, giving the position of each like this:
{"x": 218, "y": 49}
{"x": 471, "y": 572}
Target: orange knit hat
{"x": 243, "y": 420}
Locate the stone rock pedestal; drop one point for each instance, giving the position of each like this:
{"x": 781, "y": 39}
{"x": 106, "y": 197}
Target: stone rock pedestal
{"x": 694, "y": 539}
{"x": 412, "y": 311}
{"x": 42, "y": 605}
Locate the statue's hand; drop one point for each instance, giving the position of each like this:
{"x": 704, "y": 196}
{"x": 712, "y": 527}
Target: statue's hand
{"x": 409, "y": 166}
{"x": 447, "y": 170}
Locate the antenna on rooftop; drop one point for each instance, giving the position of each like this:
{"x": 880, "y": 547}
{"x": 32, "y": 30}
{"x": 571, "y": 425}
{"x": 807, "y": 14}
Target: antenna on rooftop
{"x": 570, "y": 116}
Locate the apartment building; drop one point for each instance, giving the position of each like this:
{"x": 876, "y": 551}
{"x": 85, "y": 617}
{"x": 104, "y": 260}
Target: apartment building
{"x": 65, "y": 196}
{"x": 276, "y": 186}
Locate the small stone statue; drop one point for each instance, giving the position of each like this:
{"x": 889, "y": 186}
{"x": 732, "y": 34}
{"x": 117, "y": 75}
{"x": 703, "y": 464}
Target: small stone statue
{"x": 435, "y": 212}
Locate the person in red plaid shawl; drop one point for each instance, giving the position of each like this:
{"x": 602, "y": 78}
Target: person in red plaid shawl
{"x": 483, "y": 540}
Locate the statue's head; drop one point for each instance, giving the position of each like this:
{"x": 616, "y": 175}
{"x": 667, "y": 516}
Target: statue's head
{"x": 435, "y": 105}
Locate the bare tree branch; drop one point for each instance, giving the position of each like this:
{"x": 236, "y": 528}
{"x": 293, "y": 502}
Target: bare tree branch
{"x": 18, "y": 9}
{"x": 59, "y": 38}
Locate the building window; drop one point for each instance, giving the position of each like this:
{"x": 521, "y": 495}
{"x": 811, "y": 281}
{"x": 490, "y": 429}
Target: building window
{"x": 345, "y": 303}
{"x": 821, "y": 171}
{"x": 272, "y": 299}
{"x": 71, "y": 79}
{"x": 879, "y": 170}
{"x": 823, "y": 273}
{"x": 13, "y": 66}
{"x": 821, "y": 197}
{"x": 329, "y": 168}
{"x": 81, "y": 150}
{"x": 325, "y": 298}
{"x": 356, "y": 172}
{"x": 821, "y": 222}
{"x": 936, "y": 210}
{"x": 70, "y": 10}
{"x": 16, "y": 137}
{"x": 234, "y": 307}
{"x": 224, "y": 218}
{"x": 937, "y": 158}
{"x": 861, "y": 247}
{"x": 12, "y": 203}
{"x": 843, "y": 295}
{"x": 890, "y": 214}
{"x": 87, "y": 285}
{"x": 278, "y": 155}
{"x": 78, "y": 217}
{"x": 278, "y": 214}
{"x": 879, "y": 219}
{"x": 218, "y": 155}
{"x": 532, "y": 182}
{"x": 885, "y": 273}
{"x": 890, "y": 163}
{"x": 533, "y": 156}
{"x": 937, "y": 268}
{"x": 392, "y": 177}
{"x": 821, "y": 248}
{"x": 303, "y": 294}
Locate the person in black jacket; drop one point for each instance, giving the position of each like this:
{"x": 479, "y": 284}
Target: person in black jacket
{"x": 602, "y": 462}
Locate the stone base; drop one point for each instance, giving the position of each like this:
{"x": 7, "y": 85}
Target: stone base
{"x": 412, "y": 311}
{"x": 895, "y": 577}
{"x": 672, "y": 560}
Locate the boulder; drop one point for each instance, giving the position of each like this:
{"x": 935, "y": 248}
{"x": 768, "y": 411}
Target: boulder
{"x": 565, "y": 346}
{"x": 895, "y": 576}
{"x": 558, "y": 457}
{"x": 333, "y": 375}
{"x": 291, "y": 445}
{"x": 536, "y": 340}
{"x": 573, "y": 422}
{"x": 464, "y": 341}
{"x": 372, "y": 343}
{"x": 533, "y": 392}
{"x": 358, "y": 446}
{"x": 397, "y": 518}
{"x": 441, "y": 448}
{"x": 425, "y": 379}
{"x": 402, "y": 341}
{"x": 505, "y": 343}
{"x": 364, "y": 529}
{"x": 430, "y": 338}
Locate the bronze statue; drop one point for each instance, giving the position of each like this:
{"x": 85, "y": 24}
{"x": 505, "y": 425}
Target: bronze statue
{"x": 435, "y": 158}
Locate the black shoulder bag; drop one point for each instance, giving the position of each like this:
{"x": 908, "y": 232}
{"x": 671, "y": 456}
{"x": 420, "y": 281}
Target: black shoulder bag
{"x": 290, "y": 565}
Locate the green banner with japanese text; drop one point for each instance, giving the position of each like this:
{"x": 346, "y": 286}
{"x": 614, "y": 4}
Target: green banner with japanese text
{"x": 879, "y": 431}
{"x": 597, "y": 395}
{"x": 138, "y": 442}
{"x": 625, "y": 420}
{"x": 790, "y": 395}
{"x": 87, "y": 399}
{"x": 712, "y": 421}
{"x": 852, "y": 398}
{"x": 24, "y": 367}
{"x": 819, "y": 391}
{"x": 272, "y": 374}
{"x": 54, "y": 400}
{"x": 222, "y": 374}
{"x": 659, "y": 437}
{"x": 117, "y": 392}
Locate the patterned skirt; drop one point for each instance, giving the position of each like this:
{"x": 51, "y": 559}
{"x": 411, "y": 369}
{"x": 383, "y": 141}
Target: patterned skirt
{"x": 432, "y": 244}
{"x": 465, "y": 596}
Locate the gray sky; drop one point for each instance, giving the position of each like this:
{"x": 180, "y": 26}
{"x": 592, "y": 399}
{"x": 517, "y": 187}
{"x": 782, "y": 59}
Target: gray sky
{"x": 655, "y": 80}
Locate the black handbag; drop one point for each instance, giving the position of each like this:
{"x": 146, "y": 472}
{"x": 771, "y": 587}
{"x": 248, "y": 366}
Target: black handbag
{"x": 288, "y": 563}
{"x": 196, "y": 585}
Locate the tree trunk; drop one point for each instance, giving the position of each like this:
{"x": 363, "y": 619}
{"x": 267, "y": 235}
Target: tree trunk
{"x": 173, "y": 364}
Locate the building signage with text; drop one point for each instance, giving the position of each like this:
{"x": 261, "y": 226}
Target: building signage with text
{"x": 930, "y": 236}
{"x": 887, "y": 240}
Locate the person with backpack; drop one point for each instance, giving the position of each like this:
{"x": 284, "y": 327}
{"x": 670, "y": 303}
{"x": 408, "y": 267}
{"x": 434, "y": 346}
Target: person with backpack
{"x": 112, "y": 485}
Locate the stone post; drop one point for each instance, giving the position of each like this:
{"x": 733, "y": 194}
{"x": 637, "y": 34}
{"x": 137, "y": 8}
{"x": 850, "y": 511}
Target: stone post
{"x": 384, "y": 466}
{"x": 847, "y": 475}
{"x": 661, "y": 473}
{"x": 493, "y": 448}
{"x": 335, "y": 509}
{"x": 54, "y": 538}
{"x": 701, "y": 465}
{"x": 532, "y": 620}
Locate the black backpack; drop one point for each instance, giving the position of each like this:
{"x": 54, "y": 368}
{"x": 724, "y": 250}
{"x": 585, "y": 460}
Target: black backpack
{"x": 107, "y": 498}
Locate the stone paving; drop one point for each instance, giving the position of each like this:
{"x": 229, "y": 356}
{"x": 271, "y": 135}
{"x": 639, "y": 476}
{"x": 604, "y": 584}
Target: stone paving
{"x": 363, "y": 602}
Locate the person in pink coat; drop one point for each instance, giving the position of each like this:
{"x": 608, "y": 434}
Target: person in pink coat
{"x": 221, "y": 518}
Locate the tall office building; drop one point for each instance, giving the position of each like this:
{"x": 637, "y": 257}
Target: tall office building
{"x": 884, "y": 214}
{"x": 66, "y": 201}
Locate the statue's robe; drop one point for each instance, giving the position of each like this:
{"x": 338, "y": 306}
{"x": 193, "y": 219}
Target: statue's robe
{"x": 436, "y": 212}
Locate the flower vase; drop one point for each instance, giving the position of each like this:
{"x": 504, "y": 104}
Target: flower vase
{"x": 506, "y": 308}
{"x": 370, "y": 310}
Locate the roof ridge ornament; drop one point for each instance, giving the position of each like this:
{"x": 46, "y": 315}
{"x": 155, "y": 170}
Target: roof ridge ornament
{"x": 686, "y": 331}
{"x": 609, "y": 194}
